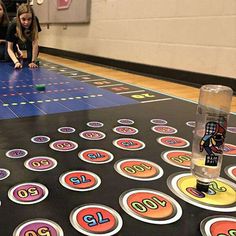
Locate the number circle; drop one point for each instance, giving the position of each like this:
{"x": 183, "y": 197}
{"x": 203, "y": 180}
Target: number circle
{"x": 191, "y": 123}
{"x": 173, "y": 141}
{"x": 164, "y": 129}
{"x": 96, "y": 156}
{"x": 220, "y": 197}
{"x": 40, "y": 139}
{"x": 96, "y": 219}
{"x": 95, "y": 124}
{"x": 150, "y": 206}
{"x": 158, "y": 121}
{"x": 38, "y": 227}
{"x": 4, "y": 173}
{"x": 229, "y": 149}
{"x": 231, "y": 171}
{"x": 16, "y": 153}
{"x": 92, "y": 135}
{"x": 28, "y": 193}
{"x": 125, "y": 130}
{"x": 218, "y": 225}
{"x": 180, "y": 158}
{"x": 129, "y": 144}
{"x": 125, "y": 121}
{"x": 63, "y": 145}
{"x": 80, "y": 180}
{"x": 66, "y": 130}
{"x": 138, "y": 169}
{"x": 40, "y": 163}
{"x": 232, "y": 129}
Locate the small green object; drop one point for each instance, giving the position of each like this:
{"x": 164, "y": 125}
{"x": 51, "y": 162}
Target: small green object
{"x": 40, "y": 87}
{"x": 37, "y": 62}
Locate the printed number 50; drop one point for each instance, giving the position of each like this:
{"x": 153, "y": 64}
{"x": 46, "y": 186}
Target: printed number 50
{"x": 40, "y": 232}
{"x": 28, "y": 192}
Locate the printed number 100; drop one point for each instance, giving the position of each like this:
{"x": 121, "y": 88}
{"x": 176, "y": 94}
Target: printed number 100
{"x": 137, "y": 168}
{"x": 148, "y": 204}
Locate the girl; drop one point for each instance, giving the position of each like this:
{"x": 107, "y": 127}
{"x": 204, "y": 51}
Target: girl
{"x": 3, "y": 31}
{"x": 24, "y": 30}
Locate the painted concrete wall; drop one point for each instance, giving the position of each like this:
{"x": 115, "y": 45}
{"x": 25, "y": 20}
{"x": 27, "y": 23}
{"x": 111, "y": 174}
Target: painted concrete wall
{"x": 191, "y": 35}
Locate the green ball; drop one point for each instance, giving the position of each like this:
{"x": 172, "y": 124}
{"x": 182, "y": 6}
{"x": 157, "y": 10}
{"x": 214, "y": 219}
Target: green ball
{"x": 40, "y": 87}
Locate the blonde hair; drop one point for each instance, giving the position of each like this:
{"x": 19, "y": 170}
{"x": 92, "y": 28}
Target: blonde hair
{"x": 26, "y": 8}
{"x": 5, "y": 19}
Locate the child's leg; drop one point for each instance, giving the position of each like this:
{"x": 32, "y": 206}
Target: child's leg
{"x": 29, "y": 51}
{"x": 6, "y": 56}
{"x": 2, "y": 51}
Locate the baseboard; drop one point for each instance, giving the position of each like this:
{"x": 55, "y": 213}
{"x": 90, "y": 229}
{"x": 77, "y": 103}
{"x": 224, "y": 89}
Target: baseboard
{"x": 179, "y": 76}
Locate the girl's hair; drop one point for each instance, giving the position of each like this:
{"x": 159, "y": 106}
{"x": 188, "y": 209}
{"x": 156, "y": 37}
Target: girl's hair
{"x": 5, "y": 20}
{"x": 26, "y": 8}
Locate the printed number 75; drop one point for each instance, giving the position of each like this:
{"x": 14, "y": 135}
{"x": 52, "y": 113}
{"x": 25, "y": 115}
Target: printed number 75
{"x": 90, "y": 219}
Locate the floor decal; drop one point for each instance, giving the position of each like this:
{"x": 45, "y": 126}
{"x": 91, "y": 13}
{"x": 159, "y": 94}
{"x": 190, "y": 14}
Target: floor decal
{"x": 178, "y": 158}
{"x": 28, "y": 193}
{"x": 220, "y": 197}
{"x": 40, "y": 163}
{"x": 96, "y": 219}
{"x": 4, "y": 173}
{"x": 174, "y": 142}
{"x": 129, "y": 144}
{"x": 125, "y": 130}
{"x": 138, "y": 169}
{"x": 16, "y": 153}
{"x": 92, "y": 135}
{"x": 80, "y": 180}
{"x": 63, "y": 145}
{"x": 150, "y": 206}
{"x": 218, "y": 226}
{"x": 231, "y": 171}
{"x": 38, "y": 227}
{"x": 96, "y": 156}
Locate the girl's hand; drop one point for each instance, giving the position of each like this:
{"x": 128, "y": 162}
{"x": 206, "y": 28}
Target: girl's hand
{"x": 18, "y": 65}
{"x": 33, "y": 65}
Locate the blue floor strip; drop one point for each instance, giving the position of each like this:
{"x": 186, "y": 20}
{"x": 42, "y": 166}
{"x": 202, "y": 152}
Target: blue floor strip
{"x": 19, "y": 97}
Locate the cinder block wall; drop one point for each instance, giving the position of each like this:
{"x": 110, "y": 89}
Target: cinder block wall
{"x": 191, "y": 35}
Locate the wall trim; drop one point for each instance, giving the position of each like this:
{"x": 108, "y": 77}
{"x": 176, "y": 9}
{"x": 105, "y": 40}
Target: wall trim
{"x": 168, "y": 74}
